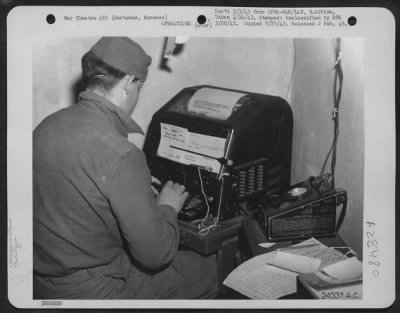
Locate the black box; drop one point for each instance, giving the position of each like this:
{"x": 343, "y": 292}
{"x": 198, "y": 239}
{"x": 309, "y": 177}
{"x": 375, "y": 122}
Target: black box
{"x": 223, "y": 152}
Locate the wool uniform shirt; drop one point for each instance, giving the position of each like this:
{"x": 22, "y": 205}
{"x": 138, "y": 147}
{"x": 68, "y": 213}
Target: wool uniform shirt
{"x": 92, "y": 194}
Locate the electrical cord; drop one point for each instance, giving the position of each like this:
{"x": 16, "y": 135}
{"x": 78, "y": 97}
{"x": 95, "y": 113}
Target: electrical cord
{"x": 293, "y": 69}
{"x": 205, "y": 229}
{"x": 337, "y": 94}
{"x": 205, "y": 197}
{"x": 342, "y": 214}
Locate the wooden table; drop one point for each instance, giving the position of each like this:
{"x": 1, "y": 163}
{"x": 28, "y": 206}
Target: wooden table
{"x": 250, "y": 237}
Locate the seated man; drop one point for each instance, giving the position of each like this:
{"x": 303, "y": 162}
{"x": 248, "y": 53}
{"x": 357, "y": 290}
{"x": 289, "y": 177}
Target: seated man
{"x": 99, "y": 230}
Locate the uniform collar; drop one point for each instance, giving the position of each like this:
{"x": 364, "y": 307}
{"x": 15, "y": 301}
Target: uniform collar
{"x": 122, "y": 121}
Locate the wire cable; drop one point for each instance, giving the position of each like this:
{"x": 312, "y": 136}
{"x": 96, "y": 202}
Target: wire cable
{"x": 337, "y": 94}
{"x": 204, "y": 195}
{"x": 293, "y": 69}
{"x": 342, "y": 215}
{"x": 205, "y": 229}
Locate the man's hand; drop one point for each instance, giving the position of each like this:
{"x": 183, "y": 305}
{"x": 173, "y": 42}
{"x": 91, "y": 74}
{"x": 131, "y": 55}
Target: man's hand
{"x": 155, "y": 185}
{"x": 173, "y": 194}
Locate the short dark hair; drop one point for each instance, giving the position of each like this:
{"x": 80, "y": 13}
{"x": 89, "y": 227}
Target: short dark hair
{"x": 97, "y": 74}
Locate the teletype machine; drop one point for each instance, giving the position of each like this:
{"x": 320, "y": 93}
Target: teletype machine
{"x": 230, "y": 147}
{"x": 225, "y": 146}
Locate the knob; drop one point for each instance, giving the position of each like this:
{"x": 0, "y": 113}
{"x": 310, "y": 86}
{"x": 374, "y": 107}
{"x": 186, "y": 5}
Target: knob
{"x": 284, "y": 205}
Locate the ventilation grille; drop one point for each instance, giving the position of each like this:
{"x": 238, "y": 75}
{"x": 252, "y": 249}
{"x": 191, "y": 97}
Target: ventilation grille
{"x": 258, "y": 177}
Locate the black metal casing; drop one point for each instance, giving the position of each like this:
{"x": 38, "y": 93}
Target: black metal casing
{"x": 257, "y": 157}
{"x": 311, "y": 214}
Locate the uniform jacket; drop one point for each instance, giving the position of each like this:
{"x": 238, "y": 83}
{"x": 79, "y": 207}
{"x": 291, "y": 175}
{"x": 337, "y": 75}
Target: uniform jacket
{"x": 92, "y": 194}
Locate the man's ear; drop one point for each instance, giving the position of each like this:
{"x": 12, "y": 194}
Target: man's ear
{"x": 128, "y": 83}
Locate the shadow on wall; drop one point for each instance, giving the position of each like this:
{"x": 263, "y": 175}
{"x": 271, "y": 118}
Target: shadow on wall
{"x": 77, "y": 87}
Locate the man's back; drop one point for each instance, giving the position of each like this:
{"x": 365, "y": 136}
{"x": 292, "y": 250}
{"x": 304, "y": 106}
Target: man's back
{"x": 99, "y": 229}
{"x": 74, "y": 153}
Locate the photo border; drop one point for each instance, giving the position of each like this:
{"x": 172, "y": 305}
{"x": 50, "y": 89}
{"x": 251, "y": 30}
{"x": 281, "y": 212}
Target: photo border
{"x": 125, "y": 2}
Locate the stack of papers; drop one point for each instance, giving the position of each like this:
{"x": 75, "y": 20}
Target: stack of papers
{"x": 273, "y": 275}
{"x": 341, "y": 273}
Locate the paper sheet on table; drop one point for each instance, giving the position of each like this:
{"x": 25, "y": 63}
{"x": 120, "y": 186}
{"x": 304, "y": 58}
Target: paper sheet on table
{"x": 349, "y": 269}
{"x": 214, "y": 103}
{"x": 327, "y": 255}
{"x": 258, "y": 280}
{"x": 296, "y": 263}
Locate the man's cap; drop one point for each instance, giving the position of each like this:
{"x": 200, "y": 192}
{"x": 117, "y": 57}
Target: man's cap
{"x": 124, "y": 55}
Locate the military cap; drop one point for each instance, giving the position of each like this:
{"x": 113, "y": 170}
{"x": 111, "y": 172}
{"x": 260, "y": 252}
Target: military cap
{"x": 124, "y": 55}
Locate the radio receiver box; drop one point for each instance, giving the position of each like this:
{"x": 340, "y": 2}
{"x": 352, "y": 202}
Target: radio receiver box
{"x": 302, "y": 212}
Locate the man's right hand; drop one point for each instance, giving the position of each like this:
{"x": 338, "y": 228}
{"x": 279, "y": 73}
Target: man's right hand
{"x": 172, "y": 194}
